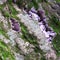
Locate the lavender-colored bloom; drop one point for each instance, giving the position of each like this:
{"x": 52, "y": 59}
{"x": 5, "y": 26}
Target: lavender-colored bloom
{"x": 33, "y": 10}
{"x": 46, "y": 34}
{"x": 40, "y": 23}
{"x": 34, "y": 15}
{"x": 51, "y": 36}
{"x": 49, "y": 40}
{"x": 15, "y": 25}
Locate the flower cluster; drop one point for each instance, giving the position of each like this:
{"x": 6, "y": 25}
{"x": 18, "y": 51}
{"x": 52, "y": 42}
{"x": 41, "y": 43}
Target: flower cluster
{"x": 15, "y": 25}
{"x": 41, "y": 18}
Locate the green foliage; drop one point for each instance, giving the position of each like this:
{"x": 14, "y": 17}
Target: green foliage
{"x": 30, "y": 5}
{"x": 35, "y": 3}
{"x": 2, "y": 6}
{"x": 39, "y": 1}
{"x": 55, "y": 20}
{"x": 9, "y": 1}
{"x": 3, "y": 31}
{"x": 57, "y": 0}
{"x": 5, "y": 14}
{"x": 27, "y": 36}
{"x": 43, "y": 58}
{"x": 20, "y": 3}
{"x": 32, "y": 56}
{"x": 12, "y": 9}
{"x": 25, "y": 33}
{"x": 56, "y": 44}
{"x": 30, "y": 38}
{"x": 55, "y": 24}
{"x": 5, "y": 52}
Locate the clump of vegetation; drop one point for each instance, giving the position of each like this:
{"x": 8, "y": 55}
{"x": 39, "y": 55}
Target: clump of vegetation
{"x": 32, "y": 56}
{"x": 5, "y": 14}
{"x": 55, "y": 20}
{"x": 57, "y": 0}
{"x": 2, "y": 6}
{"x": 9, "y": 1}
{"x": 22, "y": 3}
{"x": 3, "y": 31}
{"x": 27, "y": 36}
{"x": 56, "y": 44}
{"x": 55, "y": 24}
{"x": 12, "y": 9}
{"x": 5, "y": 52}
{"x": 25, "y": 33}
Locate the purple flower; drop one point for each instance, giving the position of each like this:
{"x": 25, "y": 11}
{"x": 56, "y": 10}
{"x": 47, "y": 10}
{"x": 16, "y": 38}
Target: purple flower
{"x": 33, "y": 10}
{"x": 15, "y": 25}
